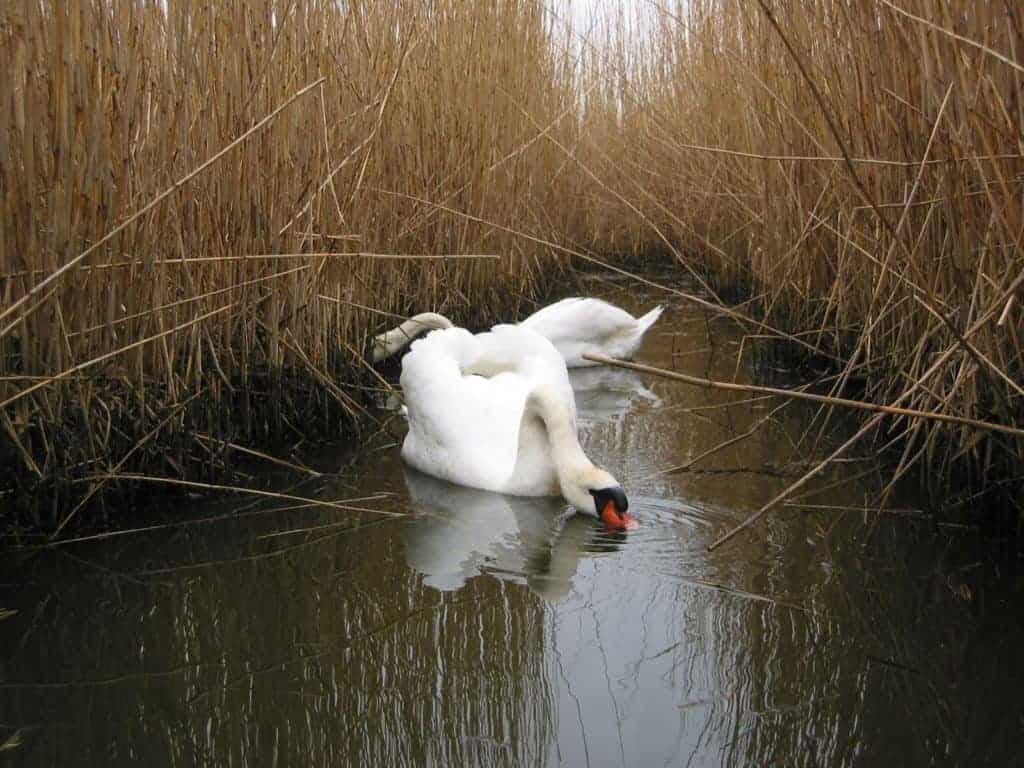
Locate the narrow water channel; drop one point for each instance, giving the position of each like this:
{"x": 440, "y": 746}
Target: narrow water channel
{"x": 467, "y": 628}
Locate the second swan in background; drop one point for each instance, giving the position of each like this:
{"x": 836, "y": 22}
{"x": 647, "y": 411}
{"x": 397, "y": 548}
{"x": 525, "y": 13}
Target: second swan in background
{"x": 579, "y": 326}
{"x": 575, "y": 326}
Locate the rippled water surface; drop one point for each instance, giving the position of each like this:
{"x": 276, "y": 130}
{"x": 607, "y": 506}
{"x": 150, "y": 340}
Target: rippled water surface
{"x": 469, "y": 628}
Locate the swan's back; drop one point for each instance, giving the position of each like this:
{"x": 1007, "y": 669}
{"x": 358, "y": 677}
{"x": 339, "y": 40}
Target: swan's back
{"x": 577, "y": 326}
{"x": 577, "y": 317}
{"x": 466, "y": 394}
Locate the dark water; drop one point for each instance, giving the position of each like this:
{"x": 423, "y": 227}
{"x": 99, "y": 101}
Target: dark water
{"x": 476, "y": 629}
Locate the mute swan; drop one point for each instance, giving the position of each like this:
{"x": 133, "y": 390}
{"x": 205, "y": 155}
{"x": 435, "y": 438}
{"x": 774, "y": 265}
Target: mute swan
{"x": 575, "y": 326}
{"x": 495, "y": 411}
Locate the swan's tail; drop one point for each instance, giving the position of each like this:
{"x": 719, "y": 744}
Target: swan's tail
{"x": 649, "y": 319}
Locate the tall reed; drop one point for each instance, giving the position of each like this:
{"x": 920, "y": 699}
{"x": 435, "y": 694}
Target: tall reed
{"x": 208, "y": 207}
{"x": 859, "y": 166}
{"x": 234, "y": 303}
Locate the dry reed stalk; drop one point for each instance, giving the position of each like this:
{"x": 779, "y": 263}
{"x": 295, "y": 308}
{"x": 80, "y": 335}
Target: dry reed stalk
{"x": 798, "y": 395}
{"x": 788, "y": 135}
{"x": 720, "y": 447}
{"x": 216, "y": 488}
{"x": 960, "y": 38}
{"x": 145, "y": 182}
{"x": 297, "y": 468}
{"x": 193, "y": 260}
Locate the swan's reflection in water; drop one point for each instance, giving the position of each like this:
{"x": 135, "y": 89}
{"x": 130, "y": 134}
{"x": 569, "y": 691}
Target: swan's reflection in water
{"x": 458, "y": 533}
{"x": 605, "y": 393}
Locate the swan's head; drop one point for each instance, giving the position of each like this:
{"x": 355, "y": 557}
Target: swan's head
{"x": 595, "y": 492}
{"x": 384, "y": 345}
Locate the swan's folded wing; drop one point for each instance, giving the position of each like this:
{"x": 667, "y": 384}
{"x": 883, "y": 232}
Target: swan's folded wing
{"x": 528, "y": 354}
{"x": 466, "y": 396}
{"x": 462, "y": 428}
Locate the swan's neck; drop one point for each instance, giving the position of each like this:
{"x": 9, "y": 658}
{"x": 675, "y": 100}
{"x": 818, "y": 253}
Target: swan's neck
{"x": 387, "y": 344}
{"x": 560, "y": 426}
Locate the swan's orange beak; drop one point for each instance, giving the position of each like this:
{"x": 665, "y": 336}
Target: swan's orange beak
{"x": 617, "y": 521}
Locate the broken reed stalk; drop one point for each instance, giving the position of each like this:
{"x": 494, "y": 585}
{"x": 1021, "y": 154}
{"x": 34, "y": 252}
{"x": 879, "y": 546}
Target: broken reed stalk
{"x": 853, "y": 160}
{"x": 297, "y": 468}
{"x": 214, "y": 487}
{"x": 959, "y": 38}
{"x": 193, "y": 260}
{"x": 720, "y": 447}
{"x": 797, "y": 395}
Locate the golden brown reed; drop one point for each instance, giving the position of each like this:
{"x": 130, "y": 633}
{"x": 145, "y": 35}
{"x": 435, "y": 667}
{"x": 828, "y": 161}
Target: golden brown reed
{"x": 207, "y": 207}
{"x": 223, "y": 167}
{"x": 859, "y": 166}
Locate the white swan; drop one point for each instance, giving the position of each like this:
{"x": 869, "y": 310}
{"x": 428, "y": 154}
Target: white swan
{"x": 495, "y": 411}
{"x": 575, "y": 326}
{"x": 579, "y": 326}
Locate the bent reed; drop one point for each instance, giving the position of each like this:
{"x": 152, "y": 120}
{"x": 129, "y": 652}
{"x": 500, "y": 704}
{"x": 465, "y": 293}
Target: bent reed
{"x": 209, "y": 209}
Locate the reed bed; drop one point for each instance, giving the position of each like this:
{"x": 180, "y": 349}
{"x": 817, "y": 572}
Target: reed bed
{"x": 857, "y": 167}
{"x": 209, "y": 207}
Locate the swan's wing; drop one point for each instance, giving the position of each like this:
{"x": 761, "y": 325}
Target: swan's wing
{"x": 530, "y": 355}
{"x": 462, "y": 428}
{"x": 466, "y": 396}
